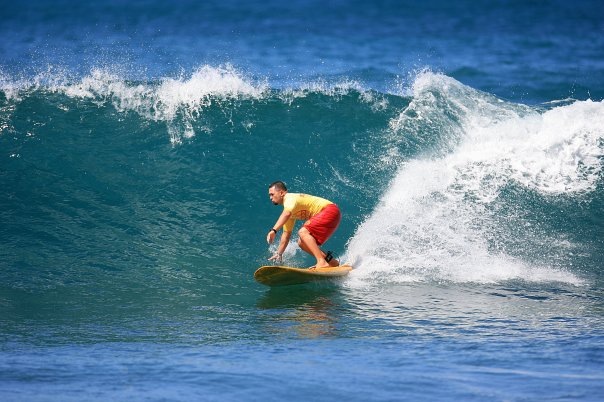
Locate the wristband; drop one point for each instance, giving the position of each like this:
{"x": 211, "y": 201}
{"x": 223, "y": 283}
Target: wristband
{"x": 274, "y": 230}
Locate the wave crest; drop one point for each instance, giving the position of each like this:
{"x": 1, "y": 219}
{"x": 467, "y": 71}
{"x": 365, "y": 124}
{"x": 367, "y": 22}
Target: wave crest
{"x": 440, "y": 218}
{"x": 173, "y": 101}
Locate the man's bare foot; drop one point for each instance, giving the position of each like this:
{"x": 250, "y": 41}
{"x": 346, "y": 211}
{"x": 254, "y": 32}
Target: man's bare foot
{"x": 321, "y": 264}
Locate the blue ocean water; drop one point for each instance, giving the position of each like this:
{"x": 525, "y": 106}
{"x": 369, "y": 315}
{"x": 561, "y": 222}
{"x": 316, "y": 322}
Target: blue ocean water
{"x": 463, "y": 141}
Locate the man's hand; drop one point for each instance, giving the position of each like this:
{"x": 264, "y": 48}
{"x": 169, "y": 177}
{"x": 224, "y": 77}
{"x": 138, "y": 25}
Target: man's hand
{"x": 276, "y": 257}
{"x": 270, "y": 237}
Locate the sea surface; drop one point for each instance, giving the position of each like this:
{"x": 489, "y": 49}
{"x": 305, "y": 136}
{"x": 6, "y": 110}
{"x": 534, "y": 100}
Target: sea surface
{"x": 463, "y": 141}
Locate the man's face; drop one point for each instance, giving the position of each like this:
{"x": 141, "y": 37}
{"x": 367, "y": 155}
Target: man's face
{"x": 275, "y": 195}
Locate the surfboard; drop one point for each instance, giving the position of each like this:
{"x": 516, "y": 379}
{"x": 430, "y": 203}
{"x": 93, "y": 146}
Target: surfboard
{"x": 277, "y": 275}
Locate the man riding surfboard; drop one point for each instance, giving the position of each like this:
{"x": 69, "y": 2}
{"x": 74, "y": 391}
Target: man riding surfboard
{"x": 322, "y": 219}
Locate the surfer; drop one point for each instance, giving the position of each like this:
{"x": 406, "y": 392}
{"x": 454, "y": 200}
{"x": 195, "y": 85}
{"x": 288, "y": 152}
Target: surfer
{"x": 322, "y": 219}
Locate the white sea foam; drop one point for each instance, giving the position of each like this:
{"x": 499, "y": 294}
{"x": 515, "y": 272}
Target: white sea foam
{"x": 11, "y": 87}
{"x": 432, "y": 223}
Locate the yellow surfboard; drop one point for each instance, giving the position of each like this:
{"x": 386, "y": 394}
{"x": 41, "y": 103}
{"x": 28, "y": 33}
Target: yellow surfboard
{"x": 275, "y": 275}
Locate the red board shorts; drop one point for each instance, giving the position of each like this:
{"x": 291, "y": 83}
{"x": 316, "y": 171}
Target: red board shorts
{"x": 322, "y": 225}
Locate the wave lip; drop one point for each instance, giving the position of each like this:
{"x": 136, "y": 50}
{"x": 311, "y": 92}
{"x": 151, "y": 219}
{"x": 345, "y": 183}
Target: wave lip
{"x": 175, "y": 101}
{"x": 441, "y": 218}
{"x": 178, "y": 102}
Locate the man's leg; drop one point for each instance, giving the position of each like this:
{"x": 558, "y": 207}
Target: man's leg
{"x": 309, "y": 244}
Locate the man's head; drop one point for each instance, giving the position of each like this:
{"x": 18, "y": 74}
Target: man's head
{"x": 276, "y": 192}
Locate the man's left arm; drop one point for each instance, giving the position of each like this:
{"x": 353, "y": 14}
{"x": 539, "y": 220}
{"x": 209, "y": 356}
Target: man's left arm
{"x": 278, "y": 256}
{"x": 285, "y": 215}
{"x": 285, "y": 236}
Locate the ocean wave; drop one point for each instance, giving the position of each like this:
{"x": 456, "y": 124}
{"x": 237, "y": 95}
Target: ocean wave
{"x": 176, "y": 101}
{"x": 464, "y": 178}
{"x": 179, "y": 102}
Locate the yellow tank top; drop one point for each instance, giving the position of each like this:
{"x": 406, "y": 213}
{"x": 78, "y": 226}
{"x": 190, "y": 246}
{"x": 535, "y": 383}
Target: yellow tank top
{"x": 302, "y": 207}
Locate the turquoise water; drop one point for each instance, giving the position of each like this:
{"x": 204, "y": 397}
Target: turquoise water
{"x": 463, "y": 143}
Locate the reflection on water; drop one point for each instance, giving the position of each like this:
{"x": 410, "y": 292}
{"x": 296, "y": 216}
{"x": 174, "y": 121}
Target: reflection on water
{"x": 306, "y": 311}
